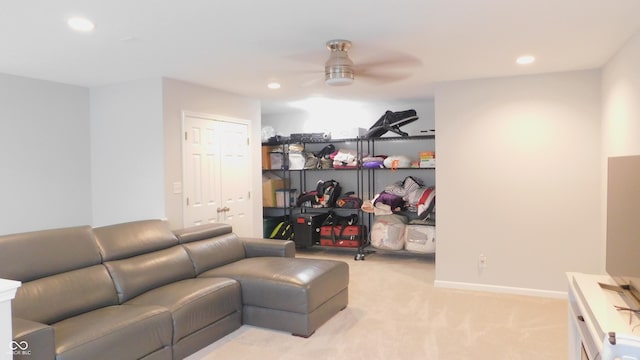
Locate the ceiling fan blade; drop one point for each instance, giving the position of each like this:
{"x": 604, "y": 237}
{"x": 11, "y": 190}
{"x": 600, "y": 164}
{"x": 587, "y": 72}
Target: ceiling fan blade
{"x": 382, "y": 78}
{"x": 395, "y": 62}
{"x": 312, "y": 82}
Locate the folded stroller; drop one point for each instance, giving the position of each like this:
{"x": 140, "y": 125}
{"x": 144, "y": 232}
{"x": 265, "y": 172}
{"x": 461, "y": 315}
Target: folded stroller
{"x": 392, "y": 121}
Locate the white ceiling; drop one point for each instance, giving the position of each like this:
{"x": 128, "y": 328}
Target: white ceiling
{"x": 241, "y": 45}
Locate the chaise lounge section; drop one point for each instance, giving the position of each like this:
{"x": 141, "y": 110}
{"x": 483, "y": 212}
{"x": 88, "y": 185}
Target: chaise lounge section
{"x": 140, "y": 291}
{"x": 292, "y": 294}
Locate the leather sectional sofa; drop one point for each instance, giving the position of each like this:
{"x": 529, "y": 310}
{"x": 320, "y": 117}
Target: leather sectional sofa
{"x": 141, "y": 291}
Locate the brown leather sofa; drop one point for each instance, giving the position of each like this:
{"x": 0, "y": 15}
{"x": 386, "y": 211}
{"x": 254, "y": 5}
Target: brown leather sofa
{"x": 140, "y": 291}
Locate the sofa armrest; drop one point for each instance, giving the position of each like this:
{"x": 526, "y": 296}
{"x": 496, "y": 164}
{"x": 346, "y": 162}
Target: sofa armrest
{"x": 255, "y": 247}
{"x": 34, "y": 339}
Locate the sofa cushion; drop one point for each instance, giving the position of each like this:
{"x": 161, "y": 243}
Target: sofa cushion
{"x": 136, "y": 275}
{"x": 32, "y": 255}
{"x": 64, "y": 295}
{"x": 213, "y": 252}
{"x": 37, "y": 336}
{"x": 114, "y": 332}
{"x": 194, "y": 303}
{"x": 124, "y": 240}
{"x": 254, "y": 247}
{"x": 202, "y": 232}
{"x": 291, "y": 284}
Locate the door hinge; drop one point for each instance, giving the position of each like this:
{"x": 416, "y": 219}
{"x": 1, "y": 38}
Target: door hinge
{"x": 248, "y": 142}
{"x": 187, "y": 201}
{"x": 185, "y": 136}
{"x": 249, "y": 195}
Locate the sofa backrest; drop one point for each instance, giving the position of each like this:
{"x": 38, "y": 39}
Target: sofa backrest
{"x": 141, "y": 256}
{"x": 33, "y": 255}
{"x": 61, "y": 273}
{"x": 211, "y": 245}
{"x": 129, "y": 239}
{"x": 57, "y": 297}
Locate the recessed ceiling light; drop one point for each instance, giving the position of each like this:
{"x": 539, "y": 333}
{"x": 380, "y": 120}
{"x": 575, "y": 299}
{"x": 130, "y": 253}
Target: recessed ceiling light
{"x": 273, "y": 85}
{"x": 525, "y": 60}
{"x": 80, "y": 24}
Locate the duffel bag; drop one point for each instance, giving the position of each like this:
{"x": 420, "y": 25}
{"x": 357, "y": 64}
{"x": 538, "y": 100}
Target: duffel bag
{"x": 352, "y": 236}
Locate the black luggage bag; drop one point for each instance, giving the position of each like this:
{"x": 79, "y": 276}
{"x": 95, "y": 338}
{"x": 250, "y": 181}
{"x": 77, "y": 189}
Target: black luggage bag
{"x": 307, "y": 229}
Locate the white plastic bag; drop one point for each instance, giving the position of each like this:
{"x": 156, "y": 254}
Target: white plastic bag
{"x": 388, "y": 232}
{"x": 420, "y": 238}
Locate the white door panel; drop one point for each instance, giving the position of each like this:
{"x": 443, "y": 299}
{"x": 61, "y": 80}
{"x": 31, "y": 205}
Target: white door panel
{"x": 236, "y": 179}
{"x": 216, "y": 173}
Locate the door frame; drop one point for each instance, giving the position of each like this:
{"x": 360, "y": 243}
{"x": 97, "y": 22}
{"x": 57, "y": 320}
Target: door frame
{"x": 213, "y": 117}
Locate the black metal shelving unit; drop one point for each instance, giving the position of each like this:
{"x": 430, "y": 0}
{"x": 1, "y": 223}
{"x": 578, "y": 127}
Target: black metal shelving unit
{"x": 367, "y": 180}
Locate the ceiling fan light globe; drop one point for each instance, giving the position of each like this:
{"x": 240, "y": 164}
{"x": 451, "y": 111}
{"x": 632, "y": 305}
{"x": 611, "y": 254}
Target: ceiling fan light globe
{"x": 338, "y": 75}
{"x": 339, "y": 81}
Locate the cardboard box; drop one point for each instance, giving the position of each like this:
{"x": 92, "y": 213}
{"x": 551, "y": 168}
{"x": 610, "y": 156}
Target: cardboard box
{"x": 427, "y": 159}
{"x": 429, "y": 163}
{"x": 266, "y": 159}
{"x": 426, "y": 155}
{"x": 271, "y": 183}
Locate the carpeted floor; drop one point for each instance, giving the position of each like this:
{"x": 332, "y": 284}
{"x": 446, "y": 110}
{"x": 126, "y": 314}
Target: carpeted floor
{"x": 395, "y": 312}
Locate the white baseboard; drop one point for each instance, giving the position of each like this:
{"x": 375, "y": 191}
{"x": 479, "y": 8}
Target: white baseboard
{"x": 501, "y": 289}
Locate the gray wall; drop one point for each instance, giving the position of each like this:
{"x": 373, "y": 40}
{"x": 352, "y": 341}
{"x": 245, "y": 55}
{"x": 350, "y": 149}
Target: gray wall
{"x": 621, "y": 111}
{"x": 44, "y": 155}
{"x": 73, "y": 156}
{"x": 621, "y": 101}
{"x": 180, "y": 96}
{"x": 127, "y": 152}
{"x": 518, "y": 181}
{"x": 335, "y": 115}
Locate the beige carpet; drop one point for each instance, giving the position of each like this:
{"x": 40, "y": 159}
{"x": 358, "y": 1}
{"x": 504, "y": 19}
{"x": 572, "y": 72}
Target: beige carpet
{"x": 395, "y": 312}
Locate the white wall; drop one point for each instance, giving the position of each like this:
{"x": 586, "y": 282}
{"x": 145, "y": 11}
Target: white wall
{"x": 334, "y": 115}
{"x": 621, "y": 101}
{"x": 518, "y": 180}
{"x": 45, "y": 155}
{"x": 620, "y": 111}
{"x": 180, "y": 96}
{"x": 127, "y": 152}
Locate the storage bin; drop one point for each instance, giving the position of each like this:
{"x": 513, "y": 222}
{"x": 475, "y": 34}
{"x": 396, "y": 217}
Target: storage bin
{"x": 276, "y": 160}
{"x": 296, "y": 161}
{"x": 285, "y": 197}
{"x": 420, "y": 238}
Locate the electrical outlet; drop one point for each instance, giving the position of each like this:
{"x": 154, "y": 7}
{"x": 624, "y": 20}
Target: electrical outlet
{"x": 482, "y": 261}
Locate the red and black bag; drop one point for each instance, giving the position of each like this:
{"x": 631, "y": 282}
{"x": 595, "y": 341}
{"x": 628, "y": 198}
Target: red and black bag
{"x": 343, "y": 235}
{"x": 342, "y": 231}
{"x": 349, "y": 201}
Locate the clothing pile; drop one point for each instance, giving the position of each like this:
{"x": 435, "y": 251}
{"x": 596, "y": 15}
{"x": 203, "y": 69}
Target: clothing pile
{"x": 408, "y": 195}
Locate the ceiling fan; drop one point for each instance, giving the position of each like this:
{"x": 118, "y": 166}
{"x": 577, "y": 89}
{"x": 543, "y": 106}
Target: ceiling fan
{"x": 340, "y": 70}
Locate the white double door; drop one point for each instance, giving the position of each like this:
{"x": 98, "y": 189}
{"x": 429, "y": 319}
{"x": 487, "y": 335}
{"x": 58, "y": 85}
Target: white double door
{"x": 216, "y": 172}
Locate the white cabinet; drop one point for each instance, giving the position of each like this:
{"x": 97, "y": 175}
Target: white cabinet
{"x": 593, "y": 313}
{"x": 7, "y": 293}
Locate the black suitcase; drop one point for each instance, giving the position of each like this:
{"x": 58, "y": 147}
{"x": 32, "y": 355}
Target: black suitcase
{"x": 307, "y": 229}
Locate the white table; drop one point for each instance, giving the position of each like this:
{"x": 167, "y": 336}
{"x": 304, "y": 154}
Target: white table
{"x": 592, "y": 314}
